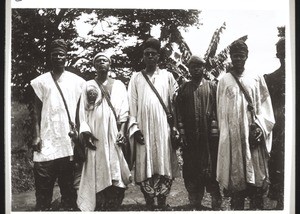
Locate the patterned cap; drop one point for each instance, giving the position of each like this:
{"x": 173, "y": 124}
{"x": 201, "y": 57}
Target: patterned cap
{"x": 101, "y": 54}
{"x": 196, "y": 59}
{"x": 238, "y": 46}
{"x": 152, "y": 43}
{"x": 59, "y": 44}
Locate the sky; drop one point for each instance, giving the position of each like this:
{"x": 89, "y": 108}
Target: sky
{"x": 258, "y": 19}
{"x": 259, "y": 25}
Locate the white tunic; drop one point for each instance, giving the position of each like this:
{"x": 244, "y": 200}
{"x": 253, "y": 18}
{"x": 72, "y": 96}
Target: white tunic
{"x": 54, "y": 127}
{"x": 237, "y": 164}
{"x": 106, "y": 165}
{"x": 147, "y": 114}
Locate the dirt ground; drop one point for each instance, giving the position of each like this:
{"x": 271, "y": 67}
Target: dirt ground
{"x": 22, "y": 181}
{"x": 134, "y": 201}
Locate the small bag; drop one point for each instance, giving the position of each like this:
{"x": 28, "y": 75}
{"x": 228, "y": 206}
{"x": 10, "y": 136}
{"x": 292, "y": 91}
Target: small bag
{"x": 175, "y": 140}
{"x": 213, "y": 128}
{"x": 170, "y": 119}
{"x": 253, "y": 140}
{"x": 79, "y": 148}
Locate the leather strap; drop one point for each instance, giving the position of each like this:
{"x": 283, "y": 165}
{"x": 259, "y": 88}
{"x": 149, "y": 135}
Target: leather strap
{"x": 107, "y": 97}
{"x": 156, "y": 93}
{"x": 246, "y": 94}
{"x": 64, "y": 101}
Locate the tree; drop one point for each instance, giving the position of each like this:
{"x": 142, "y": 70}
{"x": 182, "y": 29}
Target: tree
{"x": 32, "y": 32}
{"x": 123, "y": 26}
{"x": 34, "y": 29}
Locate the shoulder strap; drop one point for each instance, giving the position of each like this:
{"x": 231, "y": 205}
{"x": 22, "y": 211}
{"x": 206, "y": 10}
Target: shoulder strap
{"x": 156, "y": 93}
{"x": 64, "y": 101}
{"x": 247, "y": 96}
{"x": 107, "y": 97}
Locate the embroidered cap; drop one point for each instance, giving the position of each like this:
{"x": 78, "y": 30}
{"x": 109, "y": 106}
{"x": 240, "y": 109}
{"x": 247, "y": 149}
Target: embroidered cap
{"x": 238, "y": 46}
{"x": 196, "y": 59}
{"x": 59, "y": 44}
{"x": 152, "y": 43}
{"x": 101, "y": 54}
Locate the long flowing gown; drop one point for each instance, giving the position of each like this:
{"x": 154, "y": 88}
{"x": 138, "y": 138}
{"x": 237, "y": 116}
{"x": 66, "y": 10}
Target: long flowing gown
{"x": 147, "y": 114}
{"x": 238, "y": 164}
{"x": 106, "y": 165}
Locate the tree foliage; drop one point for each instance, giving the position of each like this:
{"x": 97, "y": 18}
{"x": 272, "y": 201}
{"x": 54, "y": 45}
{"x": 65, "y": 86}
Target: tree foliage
{"x": 32, "y": 32}
{"x": 122, "y": 31}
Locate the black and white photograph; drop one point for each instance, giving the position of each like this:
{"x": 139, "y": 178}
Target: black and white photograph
{"x": 145, "y": 107}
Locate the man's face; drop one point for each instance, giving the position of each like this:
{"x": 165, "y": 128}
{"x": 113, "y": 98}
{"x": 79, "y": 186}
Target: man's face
{"x": 280, "y": 53}
{"x": 196, "y": 69}
{"x": 102, "y": 64}
{"x": 238, "y": 59}
{"x": 151, "y": 56}
{"x": 58, "y": 58}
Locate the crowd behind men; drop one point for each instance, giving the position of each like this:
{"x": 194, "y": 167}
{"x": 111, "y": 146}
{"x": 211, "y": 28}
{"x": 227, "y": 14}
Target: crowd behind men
{"x": 224, "y": 129}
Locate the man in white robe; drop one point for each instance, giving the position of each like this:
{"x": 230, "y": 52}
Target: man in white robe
{"x": 241, "y": 168}
{"x": 156, "y": 162}
{"x": 53, "y": 149}
{"x": 105, "y": 172}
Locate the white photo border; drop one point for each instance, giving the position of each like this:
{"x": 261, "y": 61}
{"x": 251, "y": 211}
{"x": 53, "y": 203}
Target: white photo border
{"x": 285, "y": 6}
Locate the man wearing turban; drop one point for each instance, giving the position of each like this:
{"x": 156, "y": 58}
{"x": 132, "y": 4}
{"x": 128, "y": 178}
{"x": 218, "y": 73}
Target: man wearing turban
{"x": 103, "y": 113}
{"x": 242, "y": 166}
{"x": 52, "y": 146}
{"x": 156, "y": 162}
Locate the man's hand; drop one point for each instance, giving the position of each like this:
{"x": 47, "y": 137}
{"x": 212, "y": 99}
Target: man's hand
{"x": 175, "y": 138}
{"x": 120, "y": 138}
{"x": 36, "y": 144}
{"x": 258, "y": 133}
{"x": 183, "y": 142}
{"x": 73, "y": 134}
{"x": 88, "y": 138}
{"x": 138, "y": 137}
{"x": 176, "y": 133}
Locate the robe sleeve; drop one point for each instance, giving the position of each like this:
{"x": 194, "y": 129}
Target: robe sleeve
{"x": 173, "y": 88}
{"x": 84, "y": 127}
{"x": 223, "y": 160}
{"x": 133, "y": 106}
{"x": 212, "y": 96}
{"x": 179, "y": 105}
{"x": 38, "y": 88}
{"x": 265, "y": 118}
{"x": 173, "y": 91}
{"x": 123, "y": 108}
{"x": 219, "y": 94}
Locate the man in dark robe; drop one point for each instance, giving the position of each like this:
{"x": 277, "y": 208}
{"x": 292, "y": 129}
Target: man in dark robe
{"x": 196, "y": 107}
{"x": 276, "y": 85}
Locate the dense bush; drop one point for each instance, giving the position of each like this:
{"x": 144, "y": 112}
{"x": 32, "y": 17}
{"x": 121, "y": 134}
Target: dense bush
{"x": 21, "y": 134}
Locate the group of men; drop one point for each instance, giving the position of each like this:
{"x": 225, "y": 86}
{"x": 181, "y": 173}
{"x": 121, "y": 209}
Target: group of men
{"x": 212, "y": 123}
